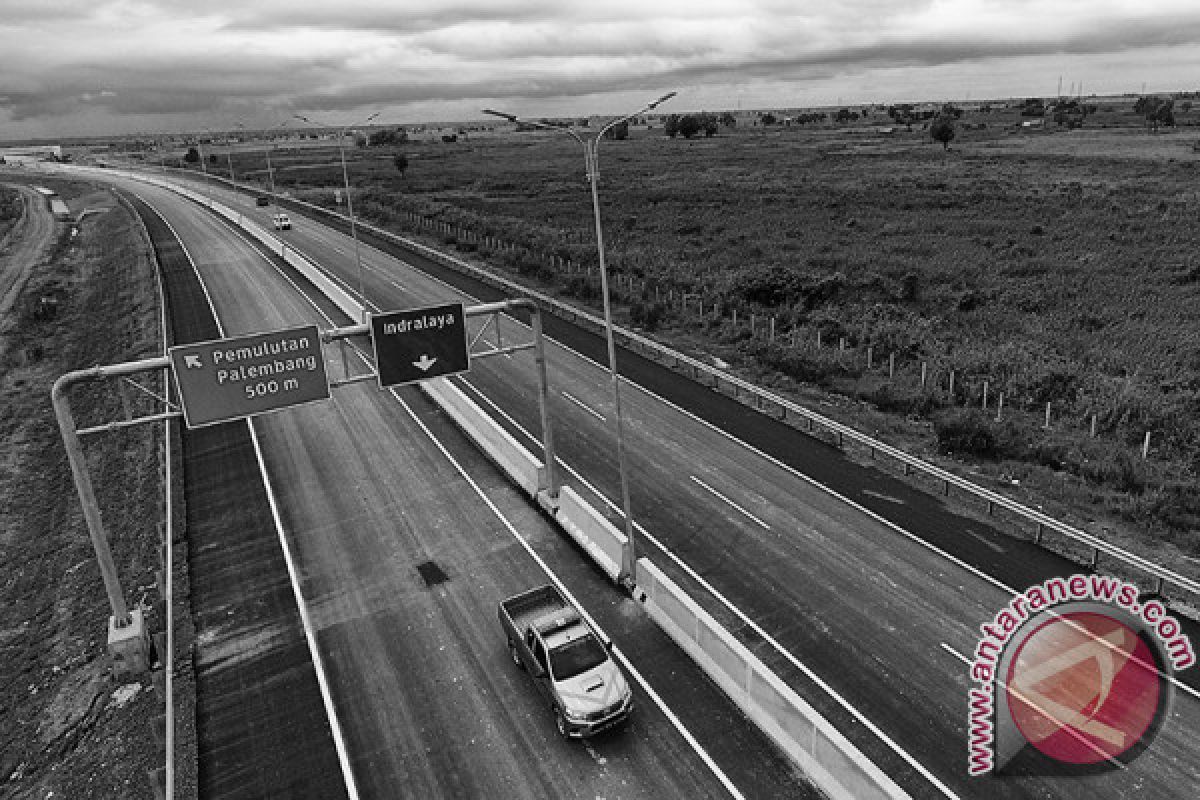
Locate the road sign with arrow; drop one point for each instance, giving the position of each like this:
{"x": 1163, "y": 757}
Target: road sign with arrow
{"x": 420, "y": 343}
{"x": 242, "y": 376}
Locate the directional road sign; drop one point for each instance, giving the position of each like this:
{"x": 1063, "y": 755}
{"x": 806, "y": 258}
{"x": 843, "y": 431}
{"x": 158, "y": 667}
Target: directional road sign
{"x": 227, "y": 379}
{"x": 419, "y": 343}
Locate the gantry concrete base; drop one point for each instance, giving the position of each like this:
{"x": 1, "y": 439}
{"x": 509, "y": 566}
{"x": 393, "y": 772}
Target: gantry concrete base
{"x": 129, "y": 646}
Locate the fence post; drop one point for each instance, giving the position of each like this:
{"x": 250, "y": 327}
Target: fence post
{"x": 1093, "y": 426}
{"x": 1146, "y": 446}
{"x": 924, "y": 372}
{"x": 891, "y": 365}
{"x": 1047, "y": 415}
{"x": 951, "y": 386}
{"x": 818, "y": 338}
{"x": 771, "y": 333}
{"x": 985, "y": 388}
{"x": 999, "y": 406}
{"x": 870, "y": 356}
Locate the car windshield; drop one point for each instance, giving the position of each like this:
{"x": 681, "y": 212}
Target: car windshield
{"x": 576, "y": 657}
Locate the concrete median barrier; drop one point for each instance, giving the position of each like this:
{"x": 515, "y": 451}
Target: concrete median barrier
{"x": 521, "y": 467}
{"x": 827, "y": 757}
{"x": 594, "y": 533}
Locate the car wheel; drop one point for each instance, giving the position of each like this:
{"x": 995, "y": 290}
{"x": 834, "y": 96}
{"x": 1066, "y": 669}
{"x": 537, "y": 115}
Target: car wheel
{"x": 516, "y": 657}
{"x": 560, "y": 723}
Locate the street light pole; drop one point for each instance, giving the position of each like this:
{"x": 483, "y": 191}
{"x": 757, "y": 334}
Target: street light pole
{"x": 204, "y": 169}
{"x": 362, "y": 300}
{"x": 591, "y": 158}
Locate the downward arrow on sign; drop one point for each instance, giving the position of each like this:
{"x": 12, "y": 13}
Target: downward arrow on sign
{"x": 425, "y": 363}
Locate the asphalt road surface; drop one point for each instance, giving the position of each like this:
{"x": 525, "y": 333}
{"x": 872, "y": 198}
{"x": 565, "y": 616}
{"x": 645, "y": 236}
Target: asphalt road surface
{"x": 366, "y": 488}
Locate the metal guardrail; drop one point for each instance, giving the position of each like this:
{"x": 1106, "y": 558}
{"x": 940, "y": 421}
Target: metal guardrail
{"x": 1163, "y": 577}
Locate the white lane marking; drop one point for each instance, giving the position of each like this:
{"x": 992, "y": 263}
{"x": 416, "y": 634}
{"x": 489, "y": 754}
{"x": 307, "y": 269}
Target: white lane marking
{"x": 745, "y": 618}
{"x": 729, "y": 502}
{"x": 955, "y": 653}
{"x": 585, "y": 406}
{"x": 331, "y": 716}
{"x": 599, "y": 759}
{"x": 984, "y": 540}
{"x": 617, "y": 653}
{"x": 882, "y": 496}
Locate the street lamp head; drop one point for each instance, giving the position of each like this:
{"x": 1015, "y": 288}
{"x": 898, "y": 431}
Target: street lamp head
{"x": 502, "y": 115}
{"x": 662, "y": 99}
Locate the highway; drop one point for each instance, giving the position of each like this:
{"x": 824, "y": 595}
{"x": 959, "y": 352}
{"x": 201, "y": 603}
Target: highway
{"x": 403, "y": 538}
{"x": 864, "y": 593}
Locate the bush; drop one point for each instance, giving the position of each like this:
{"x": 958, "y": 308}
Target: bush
{"x": 892, "y": 399}
{"x": 584, "y": 289}
{"x": 647, "y": 314}
{"x": 967, "y": 432}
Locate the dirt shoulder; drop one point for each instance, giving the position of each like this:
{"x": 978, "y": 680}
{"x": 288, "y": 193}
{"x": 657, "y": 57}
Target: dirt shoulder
{"x": 67, "y": 727}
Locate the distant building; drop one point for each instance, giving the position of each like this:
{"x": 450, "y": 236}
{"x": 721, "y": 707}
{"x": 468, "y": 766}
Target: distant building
{"x": 31, "y": 152}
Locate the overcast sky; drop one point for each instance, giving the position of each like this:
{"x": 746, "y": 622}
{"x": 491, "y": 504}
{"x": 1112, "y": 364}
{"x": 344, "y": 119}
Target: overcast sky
{"x": 80, "y": 67}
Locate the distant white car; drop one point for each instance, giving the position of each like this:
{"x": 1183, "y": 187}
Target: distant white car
{"x": 282, "y": 222}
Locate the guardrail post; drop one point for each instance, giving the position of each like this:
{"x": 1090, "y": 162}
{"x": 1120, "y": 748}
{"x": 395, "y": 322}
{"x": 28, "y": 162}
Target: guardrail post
{"x": 1037, "y": 536}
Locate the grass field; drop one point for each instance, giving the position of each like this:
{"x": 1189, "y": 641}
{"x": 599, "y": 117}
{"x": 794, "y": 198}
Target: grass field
{"x": 1058, "y": 266}
{"x": 66, "y": 728}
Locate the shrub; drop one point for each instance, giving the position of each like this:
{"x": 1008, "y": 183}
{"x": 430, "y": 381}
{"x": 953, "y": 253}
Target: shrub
{"x": 584, "y": 289}
{"x": 896, "y": 400}
{"x": 966, "y": 432}
{"x": 647, "y": 314}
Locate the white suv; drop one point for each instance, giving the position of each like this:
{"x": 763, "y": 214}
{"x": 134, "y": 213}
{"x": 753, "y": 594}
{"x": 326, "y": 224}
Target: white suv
{"x": 282, "y": 222}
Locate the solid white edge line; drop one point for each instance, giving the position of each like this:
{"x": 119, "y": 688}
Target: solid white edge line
{"x": 732, "y": 504}
{"x": 687, "y": 735}
{"x": 169, "y": 545}
{"x": 335, "y": 726}
{"x": 310, "y": 637}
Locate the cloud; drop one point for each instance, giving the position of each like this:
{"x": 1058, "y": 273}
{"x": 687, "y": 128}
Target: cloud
{"x": 139, "y": 60}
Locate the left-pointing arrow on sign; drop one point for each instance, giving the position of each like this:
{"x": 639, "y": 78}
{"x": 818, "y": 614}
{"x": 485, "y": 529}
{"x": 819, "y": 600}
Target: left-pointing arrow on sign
{"x": 192, "y": 361}
{"x": 425, "y": 363}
